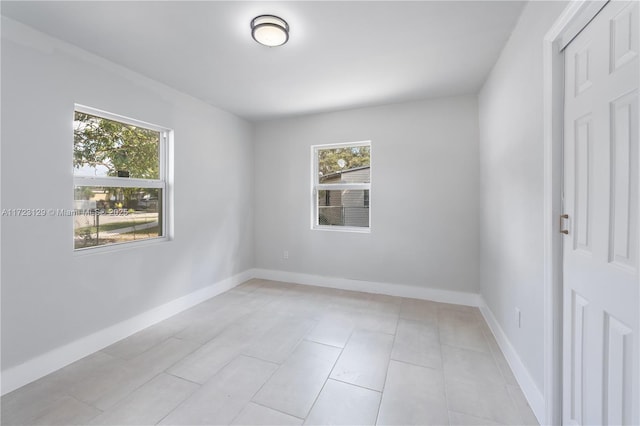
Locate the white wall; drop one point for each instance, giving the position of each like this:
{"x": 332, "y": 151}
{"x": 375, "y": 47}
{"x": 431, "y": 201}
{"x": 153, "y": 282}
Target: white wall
{"x": 511, "y": 188}
{"x": 424, "y": 196}
{"x": 50, "y": 296}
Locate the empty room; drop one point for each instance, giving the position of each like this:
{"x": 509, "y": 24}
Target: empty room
{"x": 320, "y": 212}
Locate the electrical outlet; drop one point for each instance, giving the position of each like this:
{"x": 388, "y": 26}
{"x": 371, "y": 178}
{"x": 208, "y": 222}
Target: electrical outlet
{"x": 518, "y": 318}
{"x": 285, "y": 254}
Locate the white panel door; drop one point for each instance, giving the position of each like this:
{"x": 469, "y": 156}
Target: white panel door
{"x": 601, "y": 302}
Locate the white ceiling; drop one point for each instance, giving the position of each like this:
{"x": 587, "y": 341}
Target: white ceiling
{"x": 340, "y": 55}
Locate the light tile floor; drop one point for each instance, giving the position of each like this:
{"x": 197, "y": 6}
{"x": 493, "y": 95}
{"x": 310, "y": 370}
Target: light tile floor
{"x": 282, "y": 354}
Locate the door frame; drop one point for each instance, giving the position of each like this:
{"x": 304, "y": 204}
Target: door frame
{"x": 571, "y": 21}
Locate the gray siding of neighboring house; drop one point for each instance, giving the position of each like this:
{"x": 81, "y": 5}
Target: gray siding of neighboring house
{"x": 360, "y": 175}
{"x": 345, "y": 208}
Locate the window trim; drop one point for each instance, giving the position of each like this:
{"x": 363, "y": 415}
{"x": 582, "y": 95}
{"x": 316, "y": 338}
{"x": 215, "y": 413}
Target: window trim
{"x": 317, "y": 186}
{"x": 163, "y": 181}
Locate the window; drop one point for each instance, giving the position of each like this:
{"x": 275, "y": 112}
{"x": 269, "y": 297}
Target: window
{"x": 119, "y": 176}
{"x": 341, "y": 186}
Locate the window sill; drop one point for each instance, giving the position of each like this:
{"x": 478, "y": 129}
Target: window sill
{"x": 111, "y": 248}
{"x": 352, "y": 229}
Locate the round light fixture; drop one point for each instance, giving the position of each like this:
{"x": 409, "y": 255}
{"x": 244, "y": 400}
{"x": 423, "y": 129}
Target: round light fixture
{"x": 269, "y": 30}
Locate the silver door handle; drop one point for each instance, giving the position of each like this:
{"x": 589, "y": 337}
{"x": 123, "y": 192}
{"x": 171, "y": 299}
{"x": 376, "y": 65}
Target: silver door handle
{"x": 563, "y": 231}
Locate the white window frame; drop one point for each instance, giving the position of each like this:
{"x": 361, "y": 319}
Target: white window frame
{"x": 317, "y": 186}
{"x": 166, "y": 138}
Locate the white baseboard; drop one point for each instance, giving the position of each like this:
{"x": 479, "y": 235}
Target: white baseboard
{"x": 400, "y": 290}
{"x": 40, "y": 366}
{"x": 534, "y": 396}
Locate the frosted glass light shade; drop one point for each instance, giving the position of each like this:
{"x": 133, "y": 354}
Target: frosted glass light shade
{"x": 270, "y": 30}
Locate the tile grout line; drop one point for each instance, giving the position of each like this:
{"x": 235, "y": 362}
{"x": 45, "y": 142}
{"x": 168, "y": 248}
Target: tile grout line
{"x": 269, "y": 408}
{"x": 328, "y": 375}
{"x": 183, "y": 378}
{"x": 384, "y": 384}
{"x": 502, "y": 374}
{"x": 265, "y": 382}
{"x": 504, "y": 384}
{"x": 324, "y": 344}
{"x": 444, "y": 379}
{"x": 254, "y": 395}
{"x": 416, "y": 365}
{"x": 325, "y": 381}
{"x": 357, "y": 386}
{"x": 41, "y": 415}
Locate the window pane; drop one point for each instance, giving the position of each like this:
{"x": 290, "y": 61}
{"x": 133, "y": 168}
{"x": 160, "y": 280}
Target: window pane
{"x": 103, "y": 147}
{"x": 343, "y": 208}
{"x": 344, "y": 165}
{"x": 103, "y": 216}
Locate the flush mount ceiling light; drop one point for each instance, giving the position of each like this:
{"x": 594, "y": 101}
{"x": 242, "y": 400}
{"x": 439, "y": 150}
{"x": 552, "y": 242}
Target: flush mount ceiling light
{"x": 269, "y": 30}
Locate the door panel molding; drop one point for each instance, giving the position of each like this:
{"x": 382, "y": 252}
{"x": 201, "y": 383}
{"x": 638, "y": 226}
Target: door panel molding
{"x": 579, "y": 305}
{"x": 623, "y": 227}
{"x": 583, "y": 179}
{"x": 617, "y": 371}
